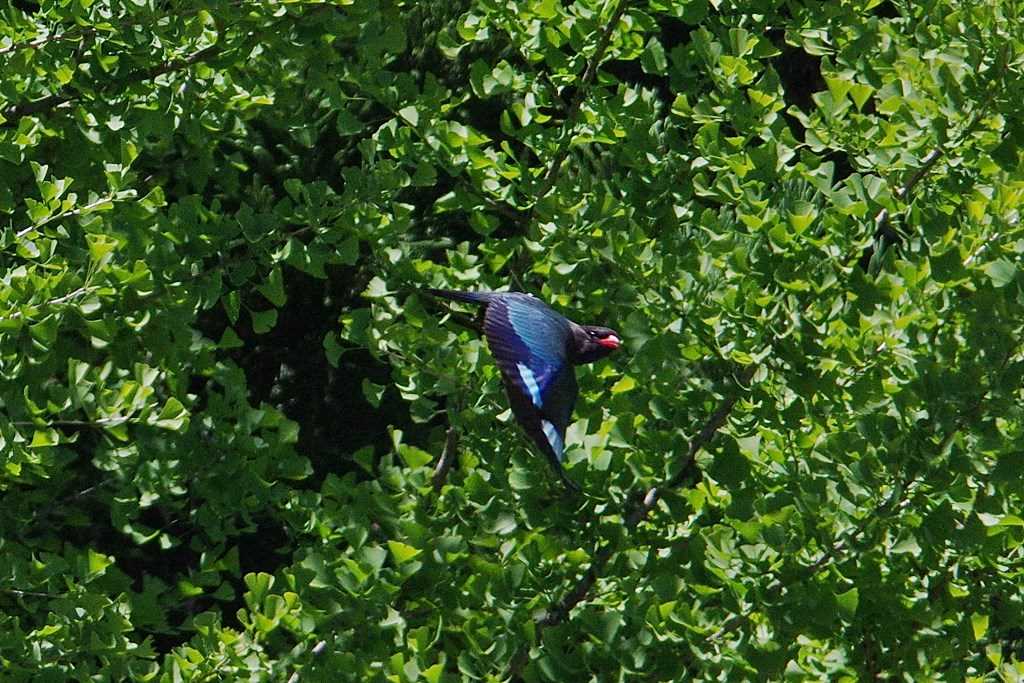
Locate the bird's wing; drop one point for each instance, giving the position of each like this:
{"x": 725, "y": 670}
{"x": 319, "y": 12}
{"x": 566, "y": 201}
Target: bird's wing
{"x": 528, "y": 341}
{"x": 467, "y": 297}
{"x": 557, "y": 410}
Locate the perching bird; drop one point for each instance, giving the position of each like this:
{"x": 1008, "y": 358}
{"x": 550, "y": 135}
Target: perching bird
{"x": 536, "y": 349}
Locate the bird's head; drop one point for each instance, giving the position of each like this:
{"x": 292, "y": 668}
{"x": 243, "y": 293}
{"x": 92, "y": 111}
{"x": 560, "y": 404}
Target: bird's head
{"x": 593, "y": 342}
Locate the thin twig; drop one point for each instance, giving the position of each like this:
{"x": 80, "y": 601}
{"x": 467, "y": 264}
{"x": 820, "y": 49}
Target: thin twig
{"x": 53, "y": 302}
{"x": 33, "y": 594}
{"x": 448, "y": 456}
{"x": 926, "y": 166}
{"x": 78, "y": 31}
{"x": 104, "y": 421}
{"x": 78, "y": 210}
{"x": 522, "y": 260}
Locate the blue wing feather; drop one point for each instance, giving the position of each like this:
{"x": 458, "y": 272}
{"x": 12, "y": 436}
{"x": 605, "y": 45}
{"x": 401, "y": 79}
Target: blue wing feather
{"x": 542, "y": 331}
{"x": 529, "y": 342}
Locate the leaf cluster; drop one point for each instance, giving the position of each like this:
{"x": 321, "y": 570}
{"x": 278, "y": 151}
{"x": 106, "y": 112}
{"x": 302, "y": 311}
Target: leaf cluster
{"x": 222, "y": 397}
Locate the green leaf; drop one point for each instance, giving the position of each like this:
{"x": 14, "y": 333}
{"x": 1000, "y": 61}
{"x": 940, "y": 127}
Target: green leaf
{"x": 348, "y": 124}
{"x": 376, "y": 289}
{"x": 433, "y": 674}
{"x": 848, "y": 601}
{"x": 860, "y": 93}
{"x": 653, "y": 59}
{"x": 332, "y": 349}
{"x": 44, "y": 438}
{"x": 273, "y": 288}
{"x": 230, "y": 340}
{"x": 37, "y": 212}
{"x": 626, "y": 383}
{"x": 414, "y": 457}
{"x": 348, "y": 251}
{"x": 546, "y": 9}
{"x": 979, "y": 625}
{"x": 402, "y": 552}
{"x": 45, "y": 331}
{"x": 259, "y": 585}
{"x": 373, "y": 392}
{"x": 409, "y": 115}
{"x": 364, "y": 457}
{"x": 173, "y": 415}
{"x": 1001, "y": 272}
{"x": 98, "y": 562}
{"x": 263, "y": 321}
{"x": 232, "y": 303}
{"x": 998, "y": 524}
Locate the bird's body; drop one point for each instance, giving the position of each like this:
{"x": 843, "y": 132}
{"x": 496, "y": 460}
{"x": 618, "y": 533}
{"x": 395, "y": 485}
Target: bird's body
{"x": 536, "y": 348}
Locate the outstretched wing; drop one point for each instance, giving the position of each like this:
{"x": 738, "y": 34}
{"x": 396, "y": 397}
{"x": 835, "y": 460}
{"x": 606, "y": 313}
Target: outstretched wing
{"x": 529, "y": 343}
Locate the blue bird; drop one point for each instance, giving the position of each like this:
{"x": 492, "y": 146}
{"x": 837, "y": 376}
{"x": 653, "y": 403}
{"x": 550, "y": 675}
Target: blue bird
{"x": 536, "y": 348}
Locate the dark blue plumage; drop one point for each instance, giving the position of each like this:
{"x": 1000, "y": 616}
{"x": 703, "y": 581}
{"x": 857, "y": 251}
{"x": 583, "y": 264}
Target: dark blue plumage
{"x": 536, "y": 348}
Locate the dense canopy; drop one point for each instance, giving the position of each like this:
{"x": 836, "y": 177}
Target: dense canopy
{"x": 223, "y": 395}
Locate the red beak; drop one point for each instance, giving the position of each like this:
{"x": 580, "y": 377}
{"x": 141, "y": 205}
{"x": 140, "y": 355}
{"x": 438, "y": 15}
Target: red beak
{"x": 610, "y": 342}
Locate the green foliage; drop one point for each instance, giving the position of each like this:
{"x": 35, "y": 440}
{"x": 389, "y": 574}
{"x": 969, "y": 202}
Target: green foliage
{"x": 222, "y": 398}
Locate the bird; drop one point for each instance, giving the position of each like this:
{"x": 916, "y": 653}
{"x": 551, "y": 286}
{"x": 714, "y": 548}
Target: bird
{"x": 535, "y": 348}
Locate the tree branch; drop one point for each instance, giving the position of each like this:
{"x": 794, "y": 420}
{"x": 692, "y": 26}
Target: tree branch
{"x": 448, "y": 455}
{"x": 899, "y": 499}
{"x": 519, "y": 263}
{"x": 70, "y": 296}
{"x": 97, "y": 424}
{"x": 929, "y": 162}
{"x": 12, "y": 114}
{"x": 78, "y": 210}
{"x": 73, "y": 33}
{"x": 560, "y": 612}
{"x": 570, "y": 120}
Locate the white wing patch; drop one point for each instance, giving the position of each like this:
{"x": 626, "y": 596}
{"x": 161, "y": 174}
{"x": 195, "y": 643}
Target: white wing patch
{"x": 549, "y": 429}
{"x": 530, "y": 380}
{"x": 554, "y": 438}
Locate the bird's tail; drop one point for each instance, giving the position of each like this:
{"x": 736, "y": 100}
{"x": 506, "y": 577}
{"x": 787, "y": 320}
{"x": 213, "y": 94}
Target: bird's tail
{"x": 469, "y": 297}
{"x": 572, "y": 486}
